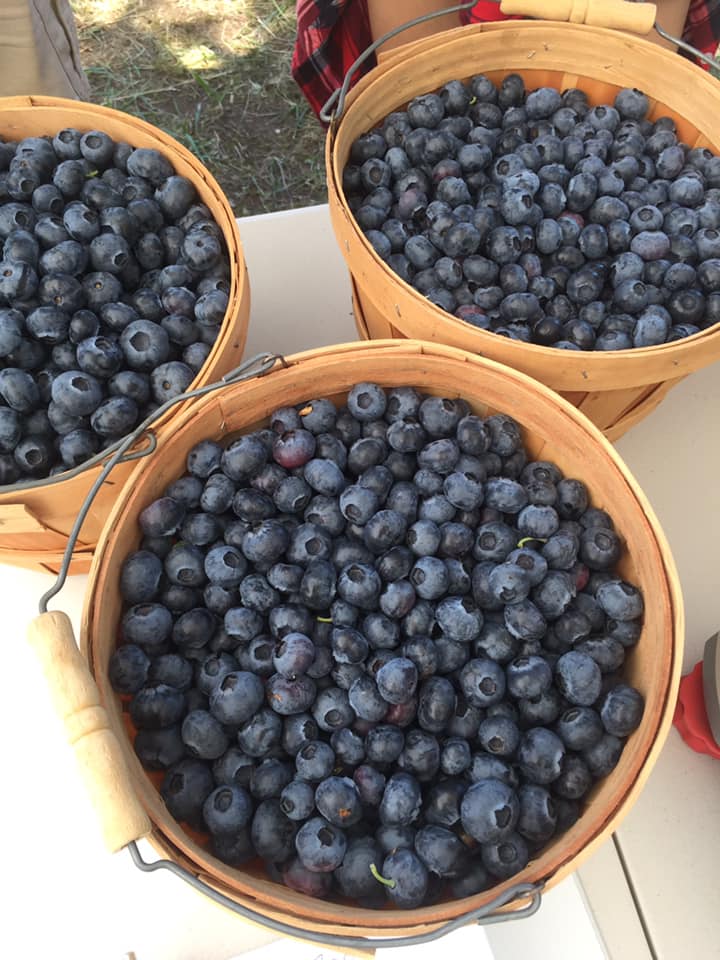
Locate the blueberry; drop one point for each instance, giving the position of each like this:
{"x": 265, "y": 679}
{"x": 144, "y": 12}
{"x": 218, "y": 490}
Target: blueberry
{"x": 455, "y": 757}
{"x": 537, "y": 819}
{"x": 236, "y": 697}
{"x": 621, "y": 710}
{"x": 12, "y": 324}
{"x": 578, "y": 678}
{"x": 505, "y": 858}
{"x": 11, "y": 429}
{"x": 146, "y": 347}
{"x": 159, "y": 749}
{"x": 109, "y": 252}
{"x": 441, "y": 851}
{"x": 354, "y": 875}
{"x": 528, "y": 676}
{"x": 97, "y": 147}
{"x": 482, "y": 682}
{"x": 170, "y": 379}
{"x": 315, "y": 760}
{"x": 294, "y": 655}
{"x": 19, "y": 390}
{"x": 203, "y": 736}
{"x": 213, "y": 669}
{"x": 489, "y": 810}
{"x": 401, "y": 801}
{"x": 297, "y": 800}
{"x": 404, "y": 877}
{"x": 269, "y": 778}
{"x": 272, "y": 833}
{"x": 685, "y": 306}
{"x": 687, "y": 191}
{"x": 149, "y": 164}
{"x": 234, "y": 768}
{"x": 320, "y": 845}
{"x": 227, "y": 809}
{"x": 602, "y": 757}
{"x": 185, "y": 788}
{"x": 600, "y": 548}
{"x": 607, "y": 652}
{"x": 225, "y": 566}
{"x": 338, "y": 801}
{"x": 128, "y": 668}
{"x": 620, "y": 600}
{"x": 442, "y": 806}
{"x": 261, "y": 734}
{"x": 499, "y": 736}
{"x": 243, "y": 458}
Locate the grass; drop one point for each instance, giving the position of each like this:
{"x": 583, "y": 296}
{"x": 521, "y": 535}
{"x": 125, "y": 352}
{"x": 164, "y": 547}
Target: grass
{"x": 215, "y": 74}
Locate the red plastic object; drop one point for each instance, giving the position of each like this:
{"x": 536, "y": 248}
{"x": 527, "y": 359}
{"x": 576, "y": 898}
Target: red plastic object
{"x": 690, "y": 715}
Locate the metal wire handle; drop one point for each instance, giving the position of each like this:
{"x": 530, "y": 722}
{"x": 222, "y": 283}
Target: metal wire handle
{"x": 488, "y": 914}
{"x": 338, "y": 97}
{"x": 257, "y": 366}
{"x": 712, "y": 62}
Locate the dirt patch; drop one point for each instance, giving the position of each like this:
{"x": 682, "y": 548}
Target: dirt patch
{"x": 215, "y": 74}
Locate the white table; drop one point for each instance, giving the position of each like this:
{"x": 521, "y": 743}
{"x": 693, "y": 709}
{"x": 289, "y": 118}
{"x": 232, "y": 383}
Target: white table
{"x": 653, "y": 892}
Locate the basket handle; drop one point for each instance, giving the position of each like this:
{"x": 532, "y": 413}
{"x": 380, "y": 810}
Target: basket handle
{"x": 97, "y": 750}
{"x": 613, "y": 14}
{"x": 517, "y": 902}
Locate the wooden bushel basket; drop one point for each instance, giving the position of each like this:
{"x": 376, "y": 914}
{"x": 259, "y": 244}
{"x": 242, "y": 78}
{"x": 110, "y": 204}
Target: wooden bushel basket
{"x": 614, "y": 389}
{"x": 35, "y": 522}
{"x": 552, "y": 430}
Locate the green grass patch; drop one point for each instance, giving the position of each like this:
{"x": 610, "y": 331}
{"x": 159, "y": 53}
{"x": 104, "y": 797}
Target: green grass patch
{"x": 215, "y": 74}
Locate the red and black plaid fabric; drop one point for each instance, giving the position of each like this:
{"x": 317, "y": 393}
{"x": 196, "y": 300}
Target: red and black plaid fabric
{"x": 331, "y": 35}
{"x": 702, "y": 27}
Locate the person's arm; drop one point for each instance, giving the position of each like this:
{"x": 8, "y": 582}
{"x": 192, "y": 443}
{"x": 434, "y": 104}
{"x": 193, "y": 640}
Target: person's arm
{"x": 385, "y": 15}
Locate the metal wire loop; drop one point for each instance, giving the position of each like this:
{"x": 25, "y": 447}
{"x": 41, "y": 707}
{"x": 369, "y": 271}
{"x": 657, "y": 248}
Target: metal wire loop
{"x": 145, "y": 451}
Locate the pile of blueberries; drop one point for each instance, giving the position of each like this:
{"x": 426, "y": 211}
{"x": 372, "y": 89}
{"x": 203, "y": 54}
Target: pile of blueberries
{"x": 113, "y": 288}
{"x": 377, "y": 647}
{"x": 541, "y": 218}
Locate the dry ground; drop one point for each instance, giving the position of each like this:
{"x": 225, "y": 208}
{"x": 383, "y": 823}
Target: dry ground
{"x": 216, "y": 75}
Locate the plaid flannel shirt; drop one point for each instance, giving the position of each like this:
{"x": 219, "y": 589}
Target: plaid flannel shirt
{"x": 331, "y": 35}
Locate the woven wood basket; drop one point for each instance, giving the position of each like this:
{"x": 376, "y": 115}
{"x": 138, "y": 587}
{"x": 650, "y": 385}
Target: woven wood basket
{"x": 35, "y": 522}
{"x": 614, "y": 389}
{"x": 553, "y": 430}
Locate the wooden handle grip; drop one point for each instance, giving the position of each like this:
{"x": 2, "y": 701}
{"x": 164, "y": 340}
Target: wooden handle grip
{"x": 76, "y": 700}
{"x": 613, "y": 14}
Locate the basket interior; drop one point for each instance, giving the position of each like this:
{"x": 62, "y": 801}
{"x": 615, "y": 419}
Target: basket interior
{"x": 56, "y": 506}
{"x": 551, "y": 431}
{"x": 600, "y": 62}
{"x": 41, "y": 116}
